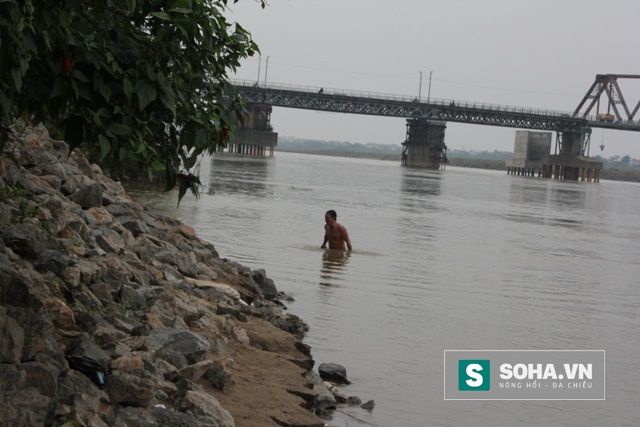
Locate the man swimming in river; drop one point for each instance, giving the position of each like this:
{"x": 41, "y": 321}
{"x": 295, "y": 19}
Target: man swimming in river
{"x": 335, "y": 233}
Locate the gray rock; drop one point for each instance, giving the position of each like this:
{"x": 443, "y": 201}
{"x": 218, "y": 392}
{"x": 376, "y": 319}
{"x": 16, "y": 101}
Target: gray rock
{"x": 24, "y": 408}
{"x": 204, "y": 405}
{"x": 88, "y": 196}
{"x": 42, "y": 376}
{"x": 54, "y": 262}
{"x": 192, "y": 346}
{"x": 288, "y": 322}
{"x": 21, "y": 290}
{"x": 132, "y": 299}
{"x": 353, "y": 400}
{"x": 11, "y": 338}
{"x": 219, "y": 374}
{"x": 77, "y": 391}
{"x": 132, "y": 389}
{"x": 167, "y": 417}
{"x": 135, "y": 226}
{"x": 187, "y": 264}
{"x": 368, "y": 405}
{"x": 26, "y": 239}
{"x": 75, "y": 182}
{"x": 132, "y": 416}
{"x": 325, "y": 400}
{"x": 11, "y": 378}
{"x": 266, "y": 285}
{"x": 333, "y": 372}
{"x": 109, "y": 241}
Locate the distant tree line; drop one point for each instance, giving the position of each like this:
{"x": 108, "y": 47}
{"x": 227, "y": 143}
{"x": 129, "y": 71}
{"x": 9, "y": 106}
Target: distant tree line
{"x": 615, "y": 168}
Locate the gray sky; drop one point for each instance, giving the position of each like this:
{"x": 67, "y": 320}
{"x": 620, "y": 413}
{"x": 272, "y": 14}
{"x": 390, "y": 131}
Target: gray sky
{"x": 526, "y": 53}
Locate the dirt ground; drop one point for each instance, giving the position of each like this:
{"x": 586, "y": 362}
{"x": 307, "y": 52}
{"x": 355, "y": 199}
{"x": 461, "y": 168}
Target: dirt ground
{"x": 268, "y": 386}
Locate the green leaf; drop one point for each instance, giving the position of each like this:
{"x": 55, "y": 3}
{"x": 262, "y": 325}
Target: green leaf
{"x": 162, "y": 15}
{"x": 119, "y": 129}
{"x": 182, "y": 190}
{"x": 123, "y": 154}
{"x": 169, "y": 178}
{"x": 4, "y": 104}
{"x": 76, "y": 89}
{"x": 132, "y": 6}
{"x": 105, "y": 91}
{"x": 105, "y": 146}
{"x": 97, "y": 115}
{"x": 17, "y": 79}
{"x": 127, "y": 87}
{"x": 156, "y": 166}
{"x": 28, "y": 43}
{"x": 98, "y": 79}
{"x": 190, "y": 161}
{"x": 184, "y": 4}
{"x": 60, "y": 87}
{"x": 201, "y": 137}
{"x": 145, "y": 92}
{"x": 79, "y": 75}
{"x": 24, "y": 65}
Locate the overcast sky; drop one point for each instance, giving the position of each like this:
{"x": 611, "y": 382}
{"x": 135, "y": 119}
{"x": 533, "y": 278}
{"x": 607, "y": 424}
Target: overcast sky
{"x": 527, "y": 53}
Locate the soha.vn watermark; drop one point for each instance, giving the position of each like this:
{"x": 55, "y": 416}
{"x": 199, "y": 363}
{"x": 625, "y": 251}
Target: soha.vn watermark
{"x": 524, "y": 374}
{"x": 578, "y": 375}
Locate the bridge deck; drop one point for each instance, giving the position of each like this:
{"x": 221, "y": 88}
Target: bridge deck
{"x": 381, "y": 104}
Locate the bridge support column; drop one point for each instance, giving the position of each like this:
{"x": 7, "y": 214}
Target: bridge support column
{"x": 571, "y": 161}
{"x": 424, "y": 145}
{"x": 530, "y": 151}
{"x": 256, "y": 137}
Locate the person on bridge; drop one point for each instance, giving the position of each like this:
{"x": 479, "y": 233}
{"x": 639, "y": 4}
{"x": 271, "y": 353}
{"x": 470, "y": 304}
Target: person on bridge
{"x": 335, "y": 233}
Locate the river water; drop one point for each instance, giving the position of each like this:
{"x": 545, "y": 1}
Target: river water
{"x": 443, "y": 260}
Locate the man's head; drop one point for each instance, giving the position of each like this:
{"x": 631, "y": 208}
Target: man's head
{"x": 330, "y": 217}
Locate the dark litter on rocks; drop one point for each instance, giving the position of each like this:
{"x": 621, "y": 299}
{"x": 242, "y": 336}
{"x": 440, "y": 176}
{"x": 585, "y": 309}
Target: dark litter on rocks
{"x": 89, "y": 367}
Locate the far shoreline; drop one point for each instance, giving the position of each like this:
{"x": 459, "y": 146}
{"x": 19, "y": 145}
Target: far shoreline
{"x": 611, "y": 174}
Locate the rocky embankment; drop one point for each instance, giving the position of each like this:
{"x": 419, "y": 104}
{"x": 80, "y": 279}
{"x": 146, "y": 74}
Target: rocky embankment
{"x": 112, "y": 315}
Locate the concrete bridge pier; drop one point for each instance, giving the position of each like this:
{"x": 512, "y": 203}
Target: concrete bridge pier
{"x": 256, "y": 137}
{"x": 530, "y": 151}
{"x": 571, "y": 161}
{"x": 424, "y": 145}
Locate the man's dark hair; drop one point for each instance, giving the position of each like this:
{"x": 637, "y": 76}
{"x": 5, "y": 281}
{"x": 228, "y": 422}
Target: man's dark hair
{"x": 332, "y": 214}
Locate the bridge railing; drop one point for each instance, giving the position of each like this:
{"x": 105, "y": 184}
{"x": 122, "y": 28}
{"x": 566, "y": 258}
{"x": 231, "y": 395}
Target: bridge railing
{"x": 413, "y": 99}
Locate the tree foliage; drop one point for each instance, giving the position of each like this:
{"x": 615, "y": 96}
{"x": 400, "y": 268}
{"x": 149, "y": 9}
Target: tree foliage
{"x": 141, "y": 83}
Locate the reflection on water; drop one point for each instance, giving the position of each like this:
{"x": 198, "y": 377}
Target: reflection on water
{"x": 234, "y": 174}
{"x": 548, "y": 202}
{"x": 536, "y": 192}
{"x": 570, "y": 196}
{"x": 419, "y": 194}
{"x": 333, "y": 266}
{"x": 420, "y": 183}
{"x": 529, "y": 191}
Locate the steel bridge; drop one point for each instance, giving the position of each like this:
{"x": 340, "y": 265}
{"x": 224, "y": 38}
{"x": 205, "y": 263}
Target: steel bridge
{"x": 380, "y": 104}
{"x": 427, "y": 118}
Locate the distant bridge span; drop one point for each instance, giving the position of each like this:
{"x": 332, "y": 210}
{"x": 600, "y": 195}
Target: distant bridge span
{"x": 379, "y": 104}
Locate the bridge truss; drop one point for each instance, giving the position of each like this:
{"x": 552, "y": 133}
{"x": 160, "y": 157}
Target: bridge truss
{"x": 607, "y": 84}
